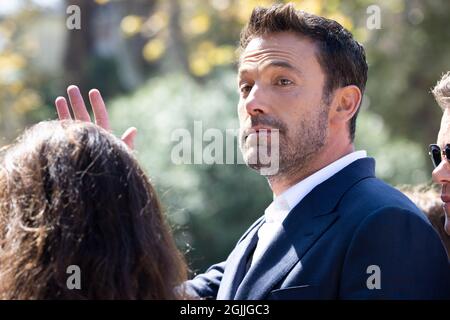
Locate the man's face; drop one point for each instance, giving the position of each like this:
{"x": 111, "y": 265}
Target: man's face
{"x": 281, "y": 87}
{"x": 441, "y": 174}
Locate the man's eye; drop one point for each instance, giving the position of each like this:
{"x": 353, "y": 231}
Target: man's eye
{"x": 245, "y": 88}
{"x": 284, "y": 82}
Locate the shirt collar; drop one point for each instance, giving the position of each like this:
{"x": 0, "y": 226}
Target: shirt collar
{"x": 285, "y": 202}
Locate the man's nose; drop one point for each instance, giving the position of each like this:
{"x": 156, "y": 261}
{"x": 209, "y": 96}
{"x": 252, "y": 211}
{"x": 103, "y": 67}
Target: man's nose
{"x": 256, "y": 101}
{"x": 441, "y": 174}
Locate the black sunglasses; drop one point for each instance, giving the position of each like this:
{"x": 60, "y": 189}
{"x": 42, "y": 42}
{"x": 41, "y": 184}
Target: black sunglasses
{"x": 436, "y": 154}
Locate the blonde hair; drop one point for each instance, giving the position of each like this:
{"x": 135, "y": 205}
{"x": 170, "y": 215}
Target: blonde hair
{"x": 441, "y": 91}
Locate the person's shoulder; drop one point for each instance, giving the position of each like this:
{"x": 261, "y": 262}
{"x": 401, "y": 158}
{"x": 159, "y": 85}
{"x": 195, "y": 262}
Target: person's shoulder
{"x": 375, "y": 192}
{"x": 372, "y": 195}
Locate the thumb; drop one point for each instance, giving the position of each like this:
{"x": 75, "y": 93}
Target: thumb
{"x": 128, "y": 137}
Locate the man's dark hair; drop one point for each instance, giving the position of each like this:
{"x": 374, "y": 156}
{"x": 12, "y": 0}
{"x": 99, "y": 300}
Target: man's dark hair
{"x": 341, "y": 57}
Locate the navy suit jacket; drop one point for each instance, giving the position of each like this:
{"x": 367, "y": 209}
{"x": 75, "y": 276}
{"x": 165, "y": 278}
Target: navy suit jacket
{"x": 351, "y": 231}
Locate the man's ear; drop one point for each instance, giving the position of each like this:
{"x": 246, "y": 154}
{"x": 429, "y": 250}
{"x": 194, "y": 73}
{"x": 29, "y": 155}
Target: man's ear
{"x": 345, "y": 103}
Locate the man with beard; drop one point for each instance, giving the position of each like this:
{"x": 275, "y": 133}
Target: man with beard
{"x": 333, "y": 231}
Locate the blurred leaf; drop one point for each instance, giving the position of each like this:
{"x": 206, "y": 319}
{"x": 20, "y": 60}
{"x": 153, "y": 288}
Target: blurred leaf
{"x": 131, "y": 25}
{"x": 154, "y": 49}
{"x": 199, "y": 24}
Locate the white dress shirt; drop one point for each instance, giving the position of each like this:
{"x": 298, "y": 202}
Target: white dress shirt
{"x": 278, "y": 210}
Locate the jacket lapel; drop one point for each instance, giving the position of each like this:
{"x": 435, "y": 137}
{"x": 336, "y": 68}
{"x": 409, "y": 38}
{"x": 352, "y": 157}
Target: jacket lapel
{"x": 285, "y": 251}
{"x": 300, "y": 230}
{"x": 236, "y": 263}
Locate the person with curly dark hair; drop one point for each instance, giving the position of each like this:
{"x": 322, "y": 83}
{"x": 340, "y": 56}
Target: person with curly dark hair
{"x": 72, "y": 194}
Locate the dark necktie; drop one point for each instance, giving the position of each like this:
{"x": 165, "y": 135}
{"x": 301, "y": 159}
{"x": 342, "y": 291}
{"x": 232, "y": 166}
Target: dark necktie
{"x": 249, "y": 260}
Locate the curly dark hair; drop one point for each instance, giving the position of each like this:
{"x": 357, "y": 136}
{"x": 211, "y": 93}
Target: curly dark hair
{"x": 71, "y": 193}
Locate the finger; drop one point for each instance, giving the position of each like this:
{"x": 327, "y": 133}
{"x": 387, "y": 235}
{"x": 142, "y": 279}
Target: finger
{"x": 78, "y": 107}
{"x": 99, "y": 108}
{"x": 129, "y": 136}
{"x": 62, "y": 108}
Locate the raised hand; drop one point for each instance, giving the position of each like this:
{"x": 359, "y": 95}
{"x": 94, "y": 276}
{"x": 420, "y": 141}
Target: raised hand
{"x": 98, "y": 107}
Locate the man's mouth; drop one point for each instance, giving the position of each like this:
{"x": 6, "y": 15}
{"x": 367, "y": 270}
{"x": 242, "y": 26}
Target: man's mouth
{"x": 257, "y": 130}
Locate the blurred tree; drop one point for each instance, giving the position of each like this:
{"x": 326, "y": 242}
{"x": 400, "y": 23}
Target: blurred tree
{"x": 80, "y": 43}
{"x": 95, "y": 55}
{"x": 408, "y": 56}
{"x": 18, "y": 79}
